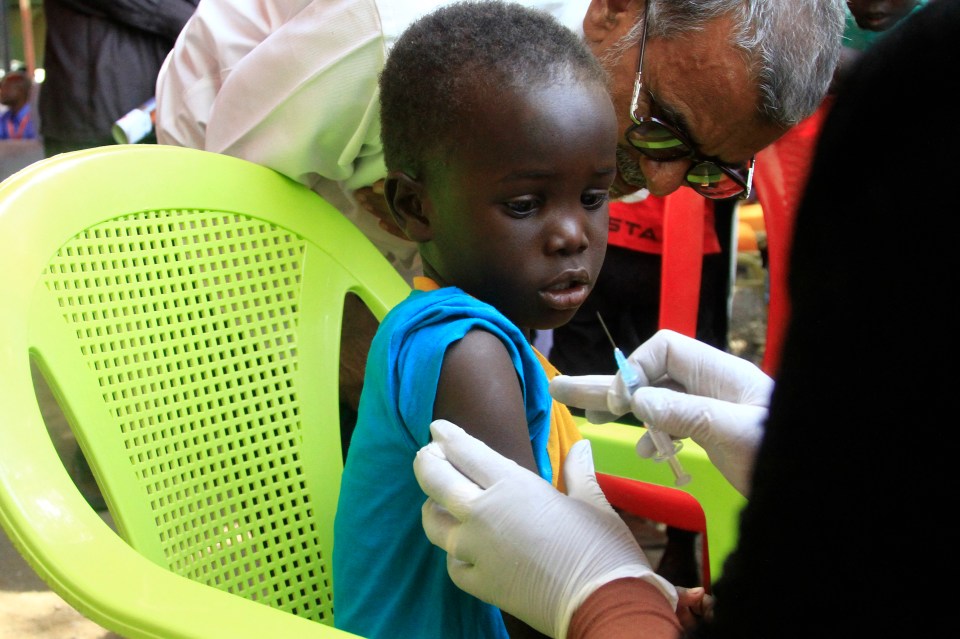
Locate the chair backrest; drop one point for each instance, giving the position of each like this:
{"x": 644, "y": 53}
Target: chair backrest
{"x": 185, "y": 308}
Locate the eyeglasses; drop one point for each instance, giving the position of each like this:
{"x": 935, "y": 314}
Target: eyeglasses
{"x": 661, "y": 141}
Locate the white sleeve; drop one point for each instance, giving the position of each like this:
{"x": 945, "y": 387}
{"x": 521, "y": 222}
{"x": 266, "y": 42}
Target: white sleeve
{"x": 217, "y": 36}
{"x": 295, "y": 92}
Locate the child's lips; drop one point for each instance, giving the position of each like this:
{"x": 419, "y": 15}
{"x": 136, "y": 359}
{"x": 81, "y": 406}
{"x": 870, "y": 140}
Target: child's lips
{"x": 565, "y": 296}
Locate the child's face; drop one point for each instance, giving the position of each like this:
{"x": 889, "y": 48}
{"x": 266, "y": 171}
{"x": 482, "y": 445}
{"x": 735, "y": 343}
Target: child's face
{"x": 11, "y": 90}
{"x": 879, "y": 15}
{"x": 519, "y": 209}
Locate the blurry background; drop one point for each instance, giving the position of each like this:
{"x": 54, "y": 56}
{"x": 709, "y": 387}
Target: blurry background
{"x": 22, "y": 32}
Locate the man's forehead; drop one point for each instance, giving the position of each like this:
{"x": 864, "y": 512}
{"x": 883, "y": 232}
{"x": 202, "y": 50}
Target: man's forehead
{"x": 704, "y": 85}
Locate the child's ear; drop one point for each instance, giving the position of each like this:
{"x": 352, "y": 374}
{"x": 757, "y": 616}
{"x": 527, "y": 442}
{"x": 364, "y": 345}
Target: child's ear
{"x": 405, "y": 196}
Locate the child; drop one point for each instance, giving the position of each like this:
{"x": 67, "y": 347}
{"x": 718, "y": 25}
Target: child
{"x": 499, "y": 138}
{"x": 15, "y": 122}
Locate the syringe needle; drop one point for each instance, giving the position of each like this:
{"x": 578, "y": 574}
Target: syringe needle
{"x": 666, "y": 447}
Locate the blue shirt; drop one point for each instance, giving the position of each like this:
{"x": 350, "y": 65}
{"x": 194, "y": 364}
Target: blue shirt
{"x": 19, "y": 125}
{"x": 389, "y": 581}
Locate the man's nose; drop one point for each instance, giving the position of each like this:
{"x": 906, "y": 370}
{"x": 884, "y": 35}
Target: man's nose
{"x": 664, "y": 178}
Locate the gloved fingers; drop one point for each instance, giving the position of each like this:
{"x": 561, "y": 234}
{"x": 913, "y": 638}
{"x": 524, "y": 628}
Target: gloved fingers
{"x": 662, "y": 355}
{"x": 580, "y": 476}
{"x": 702, "y": 419}
{"x": 675, "y": 413}
{"x": 645, "y": 446}
{"x": 701, "y": 369}
{"x": 462, "y": 573}
{"x": 443, "y": 482}
{"x": 473, "y": 459}
{"x": 438, "y": 524}
{"x": 588, "y": 392}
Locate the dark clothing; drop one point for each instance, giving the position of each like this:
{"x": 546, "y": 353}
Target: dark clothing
{"x": 861, "y": 438}
{"x": 101, "y": 60}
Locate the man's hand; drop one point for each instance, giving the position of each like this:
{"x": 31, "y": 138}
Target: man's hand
{"x": 692, "y": 390}
{"x": 516, "y": 542}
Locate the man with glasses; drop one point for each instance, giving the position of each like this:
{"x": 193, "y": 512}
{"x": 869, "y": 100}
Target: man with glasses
{"x": 660, "y": 140}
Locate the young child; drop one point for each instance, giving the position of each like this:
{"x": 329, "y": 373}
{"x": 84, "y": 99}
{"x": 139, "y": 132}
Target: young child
{"x": 499, "y": 137}
{"x": 16, "y": 122}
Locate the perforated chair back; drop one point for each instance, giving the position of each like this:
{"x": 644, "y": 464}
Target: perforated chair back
{"x": 185, "y": 308}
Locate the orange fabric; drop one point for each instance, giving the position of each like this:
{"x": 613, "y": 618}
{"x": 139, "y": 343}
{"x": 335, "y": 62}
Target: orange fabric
{"x": 563, "y": 430}
{"x": 424, "y": 283}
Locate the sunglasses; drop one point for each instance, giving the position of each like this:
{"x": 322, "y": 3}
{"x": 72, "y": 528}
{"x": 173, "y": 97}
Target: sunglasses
{"x": 661, "y": 141}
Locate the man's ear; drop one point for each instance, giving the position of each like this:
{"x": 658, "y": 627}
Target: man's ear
{"x": 606, "y": 18}
{"x": 405, "y": 196}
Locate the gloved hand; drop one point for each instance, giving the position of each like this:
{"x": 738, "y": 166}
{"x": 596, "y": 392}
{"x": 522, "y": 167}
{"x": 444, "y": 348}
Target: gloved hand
{"x": 516, "y": 542}
{"x": 692, "y": 390}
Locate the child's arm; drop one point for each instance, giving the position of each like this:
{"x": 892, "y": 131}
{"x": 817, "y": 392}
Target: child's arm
{"x": 479, "y": 390}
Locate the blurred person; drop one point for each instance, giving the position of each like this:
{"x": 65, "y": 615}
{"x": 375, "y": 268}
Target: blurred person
{"x": 867, "y": 21}
{"x": 16, "y": 123}
{"x": 101, "y": 59}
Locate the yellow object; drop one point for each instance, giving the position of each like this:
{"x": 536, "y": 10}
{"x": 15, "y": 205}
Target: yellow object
{"x": 751, "y": 230}
{"x": 185, "y": 308}
{"x": 751, "y": 247}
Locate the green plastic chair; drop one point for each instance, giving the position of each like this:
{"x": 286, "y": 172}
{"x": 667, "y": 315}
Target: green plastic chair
{"x": 185, "y": 309}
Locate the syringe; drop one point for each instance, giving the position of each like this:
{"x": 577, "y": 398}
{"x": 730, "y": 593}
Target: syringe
{"x": 667, "y": 448}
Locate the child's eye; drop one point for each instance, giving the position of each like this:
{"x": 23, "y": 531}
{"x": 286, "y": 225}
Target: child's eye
{"x": 523, "y": 207}
{"x": 594, "y": 201}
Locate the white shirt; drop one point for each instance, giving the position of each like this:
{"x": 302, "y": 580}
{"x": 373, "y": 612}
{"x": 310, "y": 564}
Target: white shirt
{"x": 292, "y": 85}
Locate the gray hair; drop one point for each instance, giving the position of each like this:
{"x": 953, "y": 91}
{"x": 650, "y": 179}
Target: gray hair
{"x": 792, "y": 46}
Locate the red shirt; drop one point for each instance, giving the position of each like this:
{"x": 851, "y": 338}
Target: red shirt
{"x": 639, "y": 225}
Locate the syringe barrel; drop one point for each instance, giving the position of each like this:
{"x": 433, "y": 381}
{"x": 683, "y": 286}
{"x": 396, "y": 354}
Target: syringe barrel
{"x": 667, "y": 450}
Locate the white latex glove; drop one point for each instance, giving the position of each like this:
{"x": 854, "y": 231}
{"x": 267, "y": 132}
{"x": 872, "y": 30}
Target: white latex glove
{"x": 516, "y": 542}
{"x": 721, "y": 401}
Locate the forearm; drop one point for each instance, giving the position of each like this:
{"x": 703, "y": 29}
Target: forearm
{"x": 625, "y": 608}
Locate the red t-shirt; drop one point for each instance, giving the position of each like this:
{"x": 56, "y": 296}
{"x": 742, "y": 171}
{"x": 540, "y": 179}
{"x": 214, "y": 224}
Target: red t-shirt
{"x": 639, "y": 225}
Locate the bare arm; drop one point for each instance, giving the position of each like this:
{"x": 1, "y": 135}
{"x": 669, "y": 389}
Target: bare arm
{"x": 479, "y": 391}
